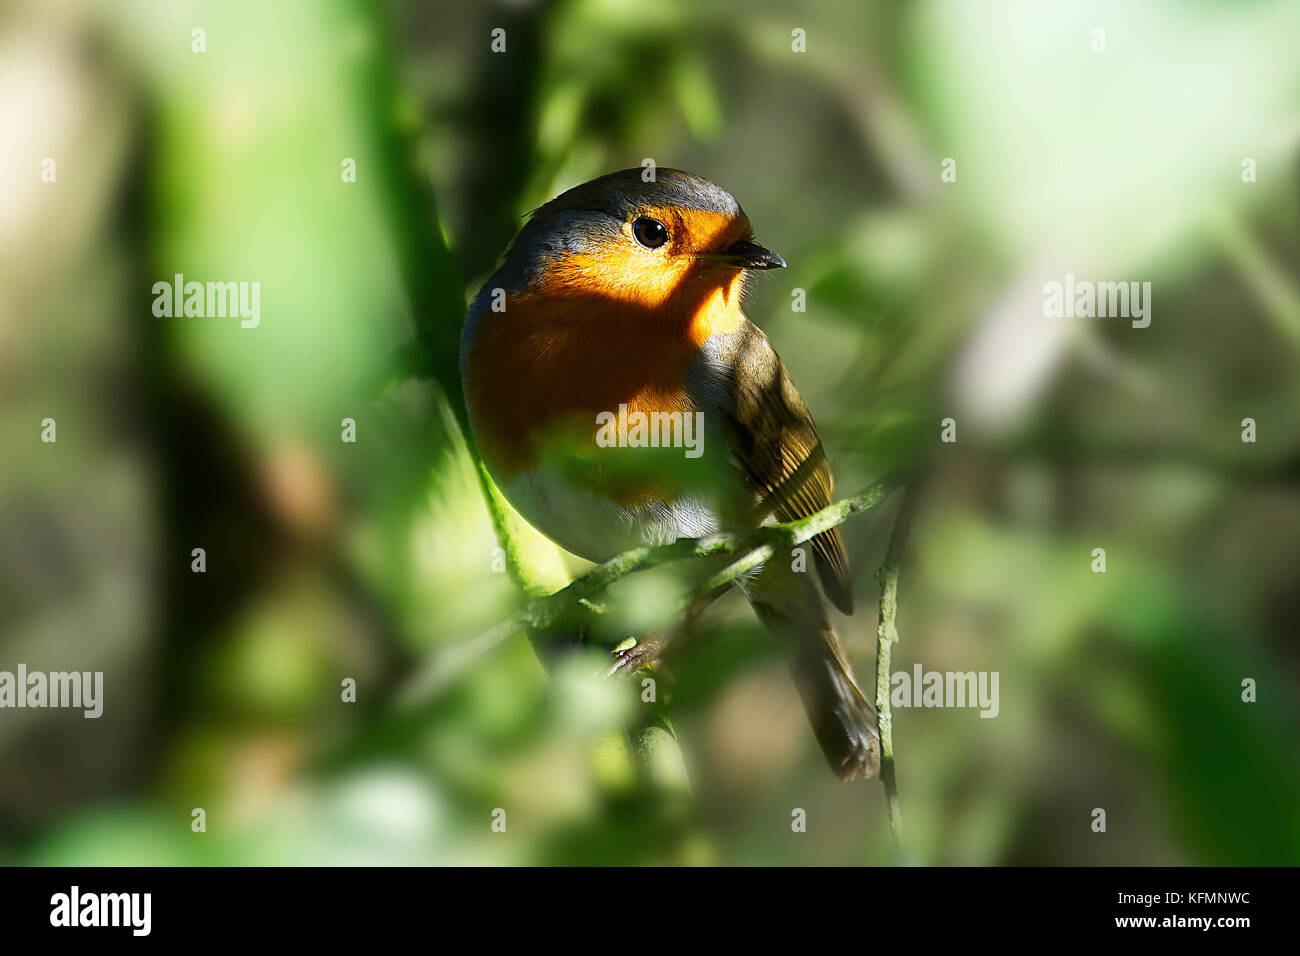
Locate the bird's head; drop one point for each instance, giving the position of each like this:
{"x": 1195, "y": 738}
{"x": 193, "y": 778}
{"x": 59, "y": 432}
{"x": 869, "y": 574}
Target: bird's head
{"x": 637, "y": 242}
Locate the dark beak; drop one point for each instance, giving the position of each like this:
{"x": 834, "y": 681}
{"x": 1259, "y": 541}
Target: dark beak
{"x": 749, "y": 255}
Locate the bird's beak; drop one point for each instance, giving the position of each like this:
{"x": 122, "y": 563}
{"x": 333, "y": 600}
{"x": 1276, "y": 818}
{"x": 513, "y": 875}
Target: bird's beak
{"x": 747, "y": 255}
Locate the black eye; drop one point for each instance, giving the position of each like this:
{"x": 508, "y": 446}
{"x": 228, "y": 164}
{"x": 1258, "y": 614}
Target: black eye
{"x": 649, "y": 232}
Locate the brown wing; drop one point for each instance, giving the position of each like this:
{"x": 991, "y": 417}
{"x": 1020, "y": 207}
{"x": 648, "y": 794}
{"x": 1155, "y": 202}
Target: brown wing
{"x": 773, "y": 436}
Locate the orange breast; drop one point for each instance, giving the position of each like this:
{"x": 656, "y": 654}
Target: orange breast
{"x": 556, "y": 359}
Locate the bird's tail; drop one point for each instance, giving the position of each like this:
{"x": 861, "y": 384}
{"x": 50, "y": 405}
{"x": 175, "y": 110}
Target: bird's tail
{"x": 842, "y": 719}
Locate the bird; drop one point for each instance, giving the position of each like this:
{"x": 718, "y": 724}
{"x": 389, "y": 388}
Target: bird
{"x": 622, "y": 297}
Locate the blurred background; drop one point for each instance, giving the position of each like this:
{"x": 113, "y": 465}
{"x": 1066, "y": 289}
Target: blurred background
{"x": 224, "y": 155}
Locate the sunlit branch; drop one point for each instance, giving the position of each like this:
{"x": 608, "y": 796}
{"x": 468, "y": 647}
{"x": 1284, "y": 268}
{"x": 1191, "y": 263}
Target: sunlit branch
{"x": 540, "y": 613}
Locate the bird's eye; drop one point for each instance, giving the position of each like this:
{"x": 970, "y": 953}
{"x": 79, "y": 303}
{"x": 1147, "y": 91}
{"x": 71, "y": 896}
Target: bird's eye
{"x": 649, "y": 232}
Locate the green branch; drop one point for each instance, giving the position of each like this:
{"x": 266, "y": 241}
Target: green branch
{"x": 542, "y": 612}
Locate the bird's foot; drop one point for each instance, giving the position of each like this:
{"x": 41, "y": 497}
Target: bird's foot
{"x": 630, "y": 656}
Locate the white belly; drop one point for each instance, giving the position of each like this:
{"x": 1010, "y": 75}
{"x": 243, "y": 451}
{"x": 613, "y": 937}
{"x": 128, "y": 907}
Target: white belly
{"x": 596, "y": 528}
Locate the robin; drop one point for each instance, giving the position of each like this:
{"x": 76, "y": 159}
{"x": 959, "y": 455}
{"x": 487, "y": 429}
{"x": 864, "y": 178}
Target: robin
{"x": 619, "y": 397}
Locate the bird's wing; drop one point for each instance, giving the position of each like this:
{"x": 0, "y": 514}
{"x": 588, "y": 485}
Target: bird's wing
{"x": 774, "y": 439}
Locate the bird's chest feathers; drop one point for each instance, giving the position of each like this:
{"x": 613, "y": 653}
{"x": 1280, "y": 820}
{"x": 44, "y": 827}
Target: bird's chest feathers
{"x": 544, "y": 370}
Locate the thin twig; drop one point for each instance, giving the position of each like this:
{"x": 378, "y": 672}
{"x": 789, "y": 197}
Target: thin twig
{"x": 886, "y": 638}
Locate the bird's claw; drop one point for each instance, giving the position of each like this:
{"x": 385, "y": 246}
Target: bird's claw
{"x": 630, "y": 657}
